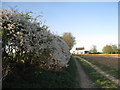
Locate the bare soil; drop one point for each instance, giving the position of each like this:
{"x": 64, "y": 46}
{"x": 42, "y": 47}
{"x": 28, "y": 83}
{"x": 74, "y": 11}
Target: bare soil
{"x": 111, "y": 60}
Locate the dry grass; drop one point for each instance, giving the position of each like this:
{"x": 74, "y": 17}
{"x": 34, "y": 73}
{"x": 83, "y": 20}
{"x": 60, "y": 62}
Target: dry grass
{"x": 111, "y": 60}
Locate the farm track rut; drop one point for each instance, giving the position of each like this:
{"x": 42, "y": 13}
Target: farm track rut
{"x": 82, "y": 78}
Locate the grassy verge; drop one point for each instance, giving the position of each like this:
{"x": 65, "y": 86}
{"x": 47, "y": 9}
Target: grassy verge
{"x": 105, "y": 68}
{"x": 36, "y": 78}
{"x": 100, "y": 80}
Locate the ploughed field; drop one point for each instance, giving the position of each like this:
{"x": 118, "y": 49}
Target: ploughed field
{"x": 111, "y": 60}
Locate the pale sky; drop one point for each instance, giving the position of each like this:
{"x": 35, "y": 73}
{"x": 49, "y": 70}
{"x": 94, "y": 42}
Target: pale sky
{"x": 91, "y": 23}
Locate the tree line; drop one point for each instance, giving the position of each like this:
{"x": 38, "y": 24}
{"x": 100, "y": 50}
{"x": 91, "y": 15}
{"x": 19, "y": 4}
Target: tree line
{"x": 107, "y": 49}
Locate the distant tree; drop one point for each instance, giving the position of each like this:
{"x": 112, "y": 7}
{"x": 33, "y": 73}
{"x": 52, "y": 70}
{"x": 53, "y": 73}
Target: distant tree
{"x": 107, "y": 49}
{"x": 69, "y": 39}
{"x": 118, "y": 51}
{"x": 93, "y": 49}
{"x": 114, "y": 48}
{"x": 110, "y": 49}
{"x": 119, "y": 48}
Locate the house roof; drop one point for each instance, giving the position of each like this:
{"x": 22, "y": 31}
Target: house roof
{"x": 80, "y": 48}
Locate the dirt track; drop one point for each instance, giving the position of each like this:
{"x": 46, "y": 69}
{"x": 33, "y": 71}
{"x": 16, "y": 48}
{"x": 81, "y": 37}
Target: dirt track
{"x": 82, "y": 79}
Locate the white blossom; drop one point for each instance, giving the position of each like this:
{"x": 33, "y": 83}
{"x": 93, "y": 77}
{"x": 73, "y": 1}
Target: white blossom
{"x": 37, "y": 41}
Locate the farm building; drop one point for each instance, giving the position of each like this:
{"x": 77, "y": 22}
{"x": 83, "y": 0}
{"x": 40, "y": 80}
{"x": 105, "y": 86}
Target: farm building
{"x": 80, "y": 50}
